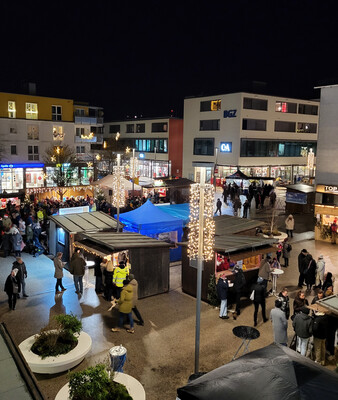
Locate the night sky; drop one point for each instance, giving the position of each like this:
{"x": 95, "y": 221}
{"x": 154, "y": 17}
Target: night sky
{"x": 144, "y": 58}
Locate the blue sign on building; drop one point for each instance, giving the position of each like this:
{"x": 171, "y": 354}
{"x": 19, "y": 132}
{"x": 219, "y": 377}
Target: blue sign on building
{"x": 230, "y": 113}
{"x": 225, "y": 147}
{"x": 298, "y": 198}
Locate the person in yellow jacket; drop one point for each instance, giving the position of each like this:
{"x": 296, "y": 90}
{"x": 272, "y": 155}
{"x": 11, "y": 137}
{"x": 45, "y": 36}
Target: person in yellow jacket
{"x": 125, "y": 307}
{"x": 120, "y": 274}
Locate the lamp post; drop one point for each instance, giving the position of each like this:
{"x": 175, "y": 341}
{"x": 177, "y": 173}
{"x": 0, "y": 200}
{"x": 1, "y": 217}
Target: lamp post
{"x": 133, "y": 169}
{"x": 201, "y": 240}
{"x": 118, "y": 188}
{"x": 215, "y": 167}
{"x": 152, "y": 169}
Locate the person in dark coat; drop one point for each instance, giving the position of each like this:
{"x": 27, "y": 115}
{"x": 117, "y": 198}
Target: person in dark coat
{"x": 239, "y": 283}
{"x": 222, "y": 292}
{"x": 77, "y": 268}
{"x": 6, "y": 243}
{"x": 22, "y": 274}
{"x": 301, "y": 257}
{"x": 284, "y": 298}
{"x": 98, "y": 275}
{"x": 310, "y": 271}
{"x": 58, "y": 265}
{"x": 302, "y": 325}
{"x": 299, "y": 302}
{"x": 319, "y": 331}
{"x": 12, "y": 288}
{"x": 259, "y": 299}
{"x": 328, "y": 282}
{"x": 219, "y": 207}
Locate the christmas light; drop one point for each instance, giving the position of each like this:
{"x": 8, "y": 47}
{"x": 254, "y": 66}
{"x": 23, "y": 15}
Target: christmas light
{"x": 118, "y": 198}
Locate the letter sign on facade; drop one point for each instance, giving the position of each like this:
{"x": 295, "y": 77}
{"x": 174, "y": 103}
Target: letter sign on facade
{"x": 230, "y": 113}
{"x": 225, "y": 147}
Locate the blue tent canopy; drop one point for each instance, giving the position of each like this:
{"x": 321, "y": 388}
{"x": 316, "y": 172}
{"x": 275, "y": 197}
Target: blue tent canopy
{"x": 181, "y": 211}
{"x": 149, "y": 220}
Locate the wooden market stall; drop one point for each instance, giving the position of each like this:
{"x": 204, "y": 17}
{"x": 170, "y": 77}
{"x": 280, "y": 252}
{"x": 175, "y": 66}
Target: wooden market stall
{"x": 148, "y": 258}
{"x": 235, "y": 242}
{"x": 300, "y": 199}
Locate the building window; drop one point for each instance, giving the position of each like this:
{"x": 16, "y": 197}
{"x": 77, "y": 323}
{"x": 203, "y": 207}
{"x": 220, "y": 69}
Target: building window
{"x": 159, "y": 127}
{"x": 33, "y": 153}
{"x": 304, "y": 127}
{"x": 11, "y": 109}
{"x": 13, "y": 149}
{"x": 31, "y": 111}
{"x": 80, "y": 112}
{"x": 32, "y": 132}
{"x": 307, "y": 109}
{"x": 255, "y": 104}
{"x": 58, "y": 133}
{"x": 130, "y": 128}
{"x": 286, "y": 107}
{"x": 13, "y": 130}
{"x": 149, "y": 145}
{"x": 140, "y": 128}
{"x": 210, "y": 105}
{"x": 253, "y": 124}
{"x": 56, "y": 113}
{"x": 80, "y": 132}
{"x": 269, "y": 148}
{"x": 285, "y": 126}
{"x": 209, "y": 125}
{"x": 34, "y": 177}
{"x": 80, "y": 149}
{"x": 114, "y": 128}
{"x": 204, "y": 147}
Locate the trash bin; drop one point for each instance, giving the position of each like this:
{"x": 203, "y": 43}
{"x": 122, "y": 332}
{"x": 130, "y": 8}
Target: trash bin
{"x": 118, "y": 356}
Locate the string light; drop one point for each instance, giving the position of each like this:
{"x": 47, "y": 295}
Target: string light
{"x": 209, "y": 223}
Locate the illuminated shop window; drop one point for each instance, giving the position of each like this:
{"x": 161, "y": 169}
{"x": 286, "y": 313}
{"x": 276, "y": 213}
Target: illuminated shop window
{"x": 32, "y": 132}
{"x": 58, "y": 133}
{"x": 31, "y": 111}
{"x": 210, "y": 105}
{"x": 286, "y": 107}
{"x": 11, "y": 109}
{"x": 34, "y": 177}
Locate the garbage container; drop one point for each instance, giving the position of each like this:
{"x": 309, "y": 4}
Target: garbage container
{"x": 118, "y": 356}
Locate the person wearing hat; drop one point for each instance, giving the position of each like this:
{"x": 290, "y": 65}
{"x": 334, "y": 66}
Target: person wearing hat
{"x": 133, "y": 282}
{"x": 12, "y": 288}
{"x": 301, "y": 257}
{"x": 279, "y": 324}
{"x": 320, "y": 271}
{"x": 259, "y": 299}
{"x": 302, "y": 325}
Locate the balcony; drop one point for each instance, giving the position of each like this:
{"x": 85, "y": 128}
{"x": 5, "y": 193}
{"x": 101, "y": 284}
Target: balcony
{"x": 88, "y": 120}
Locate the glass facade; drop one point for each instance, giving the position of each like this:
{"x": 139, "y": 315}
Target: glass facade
{"x": 34, "y": 177}
{"x": 12, "y": 179}
{"x": 269, "y": 148}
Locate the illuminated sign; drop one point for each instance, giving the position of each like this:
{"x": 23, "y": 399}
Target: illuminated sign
{"x": 225, "y": 147}
{"x": 230, "y": 113}
{"x": 141, "y": 155}
{"x": 331, "y": 189}
{"x": 22, "y": 165}
{"x": 73, "y": 210}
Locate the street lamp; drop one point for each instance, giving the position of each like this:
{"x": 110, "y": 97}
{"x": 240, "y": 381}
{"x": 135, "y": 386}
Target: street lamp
{"x": 133, "y": 169}
{"x": 215, "y": 167}
{"x": 200, "y": 240}
{"x": 118, "y": 199}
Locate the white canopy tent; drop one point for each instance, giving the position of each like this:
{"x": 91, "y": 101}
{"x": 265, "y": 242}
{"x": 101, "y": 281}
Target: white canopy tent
{"x": 107, "y": 183}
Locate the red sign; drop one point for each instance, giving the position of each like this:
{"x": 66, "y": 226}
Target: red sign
{"x": 216, "y": 170}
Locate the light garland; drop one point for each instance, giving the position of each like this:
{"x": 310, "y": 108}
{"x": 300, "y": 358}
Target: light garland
{"x": 54, "y": 189}
{"x": 208, "y": 225}
{"x": 118, "y": 198}
{"x": 134, "y": 167}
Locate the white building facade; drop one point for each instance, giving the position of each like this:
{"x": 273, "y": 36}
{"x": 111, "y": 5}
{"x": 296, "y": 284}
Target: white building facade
{"x": 263, "y": 136}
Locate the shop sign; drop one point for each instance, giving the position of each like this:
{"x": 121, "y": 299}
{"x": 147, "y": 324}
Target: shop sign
{"x": 297, "y": 198}
{"x": 331, "y": 189}
{"x": 141, "y": 155}
{"x": 225, "y": 147}
{"x": 21, "y": 165}
{"x": 230, "y": 113}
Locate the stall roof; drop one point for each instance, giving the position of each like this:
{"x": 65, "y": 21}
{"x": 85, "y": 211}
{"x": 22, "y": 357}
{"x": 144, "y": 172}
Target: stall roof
{"x": 300, "y": 187}
{"x": 121, "y": 240}
{"x": 231, "y": 243}
{"x": 85, "y": 222}
{"x": 226, "y": 224}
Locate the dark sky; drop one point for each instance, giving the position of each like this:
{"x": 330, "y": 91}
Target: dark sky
{"x": 145, "y": 57}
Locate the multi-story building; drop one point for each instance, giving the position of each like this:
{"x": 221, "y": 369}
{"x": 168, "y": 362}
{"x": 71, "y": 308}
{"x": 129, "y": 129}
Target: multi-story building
{"x": 263, "y": 136}
{"x": 326, "y": 202}
{"x": 157, "y": 143}
{"x": 29, "y": 125}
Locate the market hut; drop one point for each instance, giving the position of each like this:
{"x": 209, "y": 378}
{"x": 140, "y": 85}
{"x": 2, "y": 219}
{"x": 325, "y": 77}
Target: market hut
{"x": 300, "y": 199}
{"x": 149, "y": 258}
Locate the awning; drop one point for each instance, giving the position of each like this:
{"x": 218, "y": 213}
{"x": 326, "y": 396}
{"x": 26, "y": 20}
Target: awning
{"x": 247, "y": 254}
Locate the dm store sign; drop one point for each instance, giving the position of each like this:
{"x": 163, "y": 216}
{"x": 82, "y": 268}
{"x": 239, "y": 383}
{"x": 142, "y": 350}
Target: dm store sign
{"x": 225, "y": 147}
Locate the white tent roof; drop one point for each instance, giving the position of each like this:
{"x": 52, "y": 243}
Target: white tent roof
{"x": 107, "y": 183}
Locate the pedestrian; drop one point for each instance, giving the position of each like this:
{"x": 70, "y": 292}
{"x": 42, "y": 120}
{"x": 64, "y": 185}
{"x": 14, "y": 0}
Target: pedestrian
{"x": 222, "y": 292}
{"x": 237, "y": 205}
{"x": 279, "y": 324}
{"x": 302, "y": 325}
{"x": 120, "y": 274}
{"x": 309, "y": 271}
{"x": 77, "y": 268}
{"x": 319, "y": 296}
{"x": 16, "y": 240}
{"x": 301, "y": 265}
{"x": 134, "y": 284}
{"x": 246, "y": 207}
{"x": 239, "y": 283}
{"x": 125, "y": 307}
{"x": 98, "y": 275}
{"x": 286, "y": 252}
{"x": 22, "y": 274}
{"x": 107, "y": 267}
{"x": 290, "y": 225}
{"x": 333, "y": 230}
{"x": 58, "y": 265}
{"x": 279, "y": 251}
{"x": 218, "y": 207}
{"x": 265, "y": 270}
{"x": 328, "y": 282}
{"x": 299, "y": 302}
{"x": 259, "y": 299}
{"x": 320, "y": 271}
{"x": 284, "y": 298}
{"x": 7, "y": 242}
{"x": 12, "y": 288}
{"x": 320, "y": 330}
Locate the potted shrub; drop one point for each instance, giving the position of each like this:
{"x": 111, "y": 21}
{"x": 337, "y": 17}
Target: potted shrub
{"x": 58, "y": 337}
{"x": 96, "y": 383}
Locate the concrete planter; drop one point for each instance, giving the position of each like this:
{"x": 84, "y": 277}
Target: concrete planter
{"x": 134, "y": 387}
{"x": 54, "y": 365}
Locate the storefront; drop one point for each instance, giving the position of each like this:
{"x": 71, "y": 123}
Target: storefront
{"x": 16, "y": 177}
{"x": 326, "y": 210}
{"x": 153, "y": 168}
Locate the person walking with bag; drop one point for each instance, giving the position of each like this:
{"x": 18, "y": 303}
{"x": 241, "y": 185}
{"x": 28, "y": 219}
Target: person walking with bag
{"x": 259, "y": 299}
